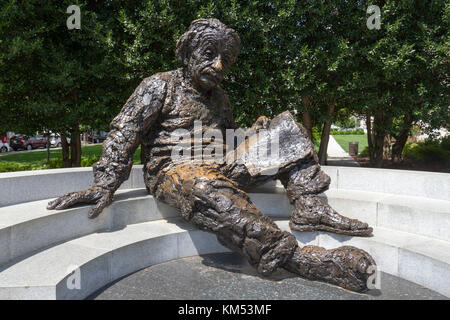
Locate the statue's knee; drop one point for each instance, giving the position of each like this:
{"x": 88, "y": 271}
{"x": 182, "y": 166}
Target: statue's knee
{"x": 322, "y": 181}
{"x": 307, "y": 180}
{"x": 212, "y": 195}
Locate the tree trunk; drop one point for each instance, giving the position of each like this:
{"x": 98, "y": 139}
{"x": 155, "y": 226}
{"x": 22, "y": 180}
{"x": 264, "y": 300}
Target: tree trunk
{"x": 401, "y": 139}
{"x": 326, "y": 135}
{"x": 75, "y": 141}
{"x": 369, "y": 135}
{"x": 378, "y": 150}
{"x": 75, "y": 148}
{"x": 307, "y": 122}
{"x": 381, "y": 138}
{"x": 65, "y": 151}
{"x": 386, "y": 146}
{"x": 48, "y": 147}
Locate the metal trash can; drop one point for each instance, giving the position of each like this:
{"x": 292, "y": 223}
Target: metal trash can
{"x": 353, "y": 148}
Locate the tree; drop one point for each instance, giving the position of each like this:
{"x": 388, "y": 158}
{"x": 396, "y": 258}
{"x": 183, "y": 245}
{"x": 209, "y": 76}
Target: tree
{"x": 406, "y": 73}
{"x": 316, "y": 57}
{"x": 57, "y": 79}
{"x": 294, "y": 56}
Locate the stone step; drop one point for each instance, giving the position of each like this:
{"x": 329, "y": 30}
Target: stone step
{"x": 420, "y": 259}
{"x": 101, "y": 258}
{"x": 106, "y": 256}
{"x": 417, "y": 215}
{"x": 28, "y": 227}
{"x": 26, "y": 186}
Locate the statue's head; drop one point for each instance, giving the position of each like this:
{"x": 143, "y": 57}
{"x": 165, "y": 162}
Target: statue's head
{"x": 207, "y": 50}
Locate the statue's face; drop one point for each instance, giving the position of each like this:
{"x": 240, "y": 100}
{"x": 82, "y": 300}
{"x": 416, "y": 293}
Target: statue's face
{"x": 210, "y": 60}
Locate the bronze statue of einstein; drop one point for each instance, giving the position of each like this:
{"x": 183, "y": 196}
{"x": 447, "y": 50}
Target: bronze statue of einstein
{"x": 211, "y": 195}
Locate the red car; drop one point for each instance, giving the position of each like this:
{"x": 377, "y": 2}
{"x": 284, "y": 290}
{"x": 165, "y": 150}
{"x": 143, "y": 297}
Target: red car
{"x": 27, "y": 143}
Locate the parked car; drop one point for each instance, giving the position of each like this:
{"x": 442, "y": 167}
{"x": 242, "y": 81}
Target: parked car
{"x": 55, "y": 140}
{"x": 23, "y": 142}
{"x": 4, "y": 147}
{"x": 95, "y": 138}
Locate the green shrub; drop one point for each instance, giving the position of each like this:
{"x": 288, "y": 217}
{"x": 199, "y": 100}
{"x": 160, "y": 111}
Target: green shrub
{"x": 445, "y": 143}
{"x": 340, "y": 132}
{"x": 11, "y": 166}
{"x": 58, "y": 163}
{"x": 407, "y": 149}
{"x": 316, "y": 136}
{"x": 430, "y": 151}
{"x": 89, "y": 161}
{"x": 364, "y": 152}
{"x": 6, "y": 166}
{"x": 54, "y": 163}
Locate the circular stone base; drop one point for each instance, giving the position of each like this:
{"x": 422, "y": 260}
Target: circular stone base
{"x": 229, "y": 276}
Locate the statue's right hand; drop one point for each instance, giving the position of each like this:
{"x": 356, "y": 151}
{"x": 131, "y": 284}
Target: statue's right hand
{"x": 101, "y": 197}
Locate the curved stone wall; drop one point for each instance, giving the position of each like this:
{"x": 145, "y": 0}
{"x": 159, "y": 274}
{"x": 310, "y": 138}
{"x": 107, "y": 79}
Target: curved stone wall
{"x": 24, "y": 186}
{"x": 410, "y": 213}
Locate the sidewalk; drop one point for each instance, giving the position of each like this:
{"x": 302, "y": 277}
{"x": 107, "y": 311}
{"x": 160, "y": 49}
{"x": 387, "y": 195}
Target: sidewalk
{"x": 337, "y": 156}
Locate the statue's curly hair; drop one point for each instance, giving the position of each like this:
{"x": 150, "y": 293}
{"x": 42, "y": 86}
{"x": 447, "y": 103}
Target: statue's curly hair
{"x": 190, "y": 39}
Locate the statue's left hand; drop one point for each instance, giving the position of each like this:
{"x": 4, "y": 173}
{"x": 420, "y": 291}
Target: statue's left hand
{"x": 261, "y": 123}
{"x": 101, "y": 197}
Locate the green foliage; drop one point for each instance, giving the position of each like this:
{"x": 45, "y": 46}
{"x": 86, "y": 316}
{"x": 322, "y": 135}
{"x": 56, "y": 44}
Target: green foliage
{"x": 347, "y": 132}
{"x": 52, "y": 78}
{"x": 445, "y": 143}
{"x": 429, "y": 151}
{"x": 58, "y": 162}
{"x": 403, "y": 66}
{"x": 89, "y": 161}
{"x": 364, "y": 152}
{"x": 344, "y": 118}
{"x": 348, "y": 122}
{"x": 53, "y": 164}
{"x": 316, "y": 134}
{"x": 6, "y": 166}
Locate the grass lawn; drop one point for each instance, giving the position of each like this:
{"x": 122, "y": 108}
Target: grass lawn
{"x": 344, "y": 139}
{"x": 38, "y": 159}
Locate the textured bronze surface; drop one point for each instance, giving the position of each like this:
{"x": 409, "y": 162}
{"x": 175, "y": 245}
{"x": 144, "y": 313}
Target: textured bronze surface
{"x": 211, "y": 195}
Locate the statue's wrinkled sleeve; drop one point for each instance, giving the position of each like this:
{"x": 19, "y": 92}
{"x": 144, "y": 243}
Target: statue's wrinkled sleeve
{"x": 126, "y": 131}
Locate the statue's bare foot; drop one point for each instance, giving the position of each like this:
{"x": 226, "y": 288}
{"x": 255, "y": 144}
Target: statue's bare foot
{"x": 346, "y": 266}
{"x": 311, "y": 214}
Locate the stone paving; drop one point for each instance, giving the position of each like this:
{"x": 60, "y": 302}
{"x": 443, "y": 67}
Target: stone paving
{"x": 228, "y": 276}
{"x": 336, "y": 156}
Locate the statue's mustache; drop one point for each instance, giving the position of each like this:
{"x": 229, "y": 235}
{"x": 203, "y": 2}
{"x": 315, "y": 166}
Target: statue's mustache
{"x": 211, "y": 72}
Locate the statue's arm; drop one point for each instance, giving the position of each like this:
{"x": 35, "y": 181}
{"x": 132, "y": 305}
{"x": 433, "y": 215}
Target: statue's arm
{"x": 126, "y": 131}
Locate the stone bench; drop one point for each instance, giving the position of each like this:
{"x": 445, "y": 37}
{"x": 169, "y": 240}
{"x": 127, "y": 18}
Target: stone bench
{"x": 106, "y": 256}
{"x": 37, "y": 246}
